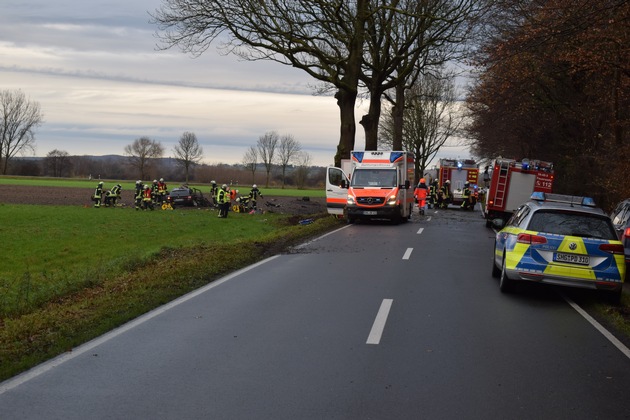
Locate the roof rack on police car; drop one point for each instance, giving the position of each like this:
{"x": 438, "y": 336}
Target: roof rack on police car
{"x": 562, "y": 198}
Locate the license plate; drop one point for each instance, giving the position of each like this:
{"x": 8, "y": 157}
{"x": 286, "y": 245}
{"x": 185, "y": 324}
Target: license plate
{"x": 572, "y": 258}
{"x": 369, "y": 213}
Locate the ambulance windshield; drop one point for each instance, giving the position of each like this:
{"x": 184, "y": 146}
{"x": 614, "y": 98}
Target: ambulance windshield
{"x": 374, "y": 178}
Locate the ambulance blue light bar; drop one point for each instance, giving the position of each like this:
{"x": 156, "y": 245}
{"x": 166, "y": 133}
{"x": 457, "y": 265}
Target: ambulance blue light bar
{"x": 561, "y": 198}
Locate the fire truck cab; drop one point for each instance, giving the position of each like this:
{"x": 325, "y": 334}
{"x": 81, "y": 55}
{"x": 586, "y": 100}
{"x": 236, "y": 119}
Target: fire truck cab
{"x": 377, "y": 186}
{"x": 512, "y": 184}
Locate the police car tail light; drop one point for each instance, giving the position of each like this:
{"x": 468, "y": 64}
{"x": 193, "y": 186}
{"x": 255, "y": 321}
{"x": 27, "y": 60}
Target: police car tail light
{"x": 626, "y": 233}
{"x": 612, "y": 248}
{"x": 527, "y": 238}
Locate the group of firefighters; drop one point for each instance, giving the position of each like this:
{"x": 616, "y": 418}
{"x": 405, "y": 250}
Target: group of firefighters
{"x": 224, "y": 196}
{"x": 146, "y": 196}
{"x": 440, "y": 197}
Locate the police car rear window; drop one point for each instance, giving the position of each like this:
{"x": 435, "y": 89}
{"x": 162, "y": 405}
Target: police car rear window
{"x": 572, "y": 224}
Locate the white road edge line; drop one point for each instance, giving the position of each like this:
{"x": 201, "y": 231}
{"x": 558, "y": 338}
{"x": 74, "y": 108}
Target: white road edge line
{"x": 9, "y": 384}
{"x": 379, "y": 323}
{"x": 420, "y": 231}
{"x": 598, "y": 326}
{"x": 407, "y": 254}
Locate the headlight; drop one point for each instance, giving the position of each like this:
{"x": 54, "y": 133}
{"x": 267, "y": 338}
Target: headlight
{"x": 350, "y": 200}
{"x": 391, "y": 200}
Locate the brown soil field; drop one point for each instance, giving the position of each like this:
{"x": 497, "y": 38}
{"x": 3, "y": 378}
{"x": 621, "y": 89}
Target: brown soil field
{"x": 12, "y": 194}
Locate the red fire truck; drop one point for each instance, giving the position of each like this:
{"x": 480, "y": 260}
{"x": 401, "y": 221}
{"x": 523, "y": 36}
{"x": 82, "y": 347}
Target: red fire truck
{"x": 458, "y": 172}
{"x": 512, "y": 183}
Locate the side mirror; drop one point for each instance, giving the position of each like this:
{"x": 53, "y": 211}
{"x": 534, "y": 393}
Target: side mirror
{"x": 498, "y": 223}
{"x": 344, "y": 184}
{"x": 407, "y": 184}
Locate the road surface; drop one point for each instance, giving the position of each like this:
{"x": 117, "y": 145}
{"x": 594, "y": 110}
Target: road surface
{"x": 372, "y": 321}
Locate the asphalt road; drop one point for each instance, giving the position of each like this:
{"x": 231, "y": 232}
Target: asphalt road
{"x": 372, "y": 321}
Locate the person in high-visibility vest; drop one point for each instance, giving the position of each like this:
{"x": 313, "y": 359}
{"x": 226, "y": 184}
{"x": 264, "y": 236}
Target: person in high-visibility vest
{"x": 466, "y": 195}
{"x": 421, "y": 192}
{"x": 253, "y": 195}
{"x": 147, "y": 198}
{"x": 223, "y": 199}
{"x": 161, "y": 191}
{"x": 98, "y": 194}
{"x": 138, "y": 194}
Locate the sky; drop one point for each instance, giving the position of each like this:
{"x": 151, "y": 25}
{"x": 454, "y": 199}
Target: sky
{"x": 101, "y": 82}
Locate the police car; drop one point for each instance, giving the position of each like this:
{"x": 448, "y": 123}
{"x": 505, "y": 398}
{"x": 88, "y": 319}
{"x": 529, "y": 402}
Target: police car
{"x": 562, "y": 240}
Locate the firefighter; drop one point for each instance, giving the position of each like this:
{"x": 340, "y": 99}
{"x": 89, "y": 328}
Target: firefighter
{"x": 466, "y": 196}
{"x": 161, "y": 191}
{"x": 421, "y": 193}
{"x": 112, "y": 196}
{"x": 154, "y": 191}
{"x": 147, "y": 198}
{"x": 444, "y": 195}
{"x": 98, "y": 194}
{"x": 253, "y": 195}
{"x": 433, "y": 194}
{"x": 223, "y": 200}
{"x": 138, "y": 195}
{"x": 214, "y": 190}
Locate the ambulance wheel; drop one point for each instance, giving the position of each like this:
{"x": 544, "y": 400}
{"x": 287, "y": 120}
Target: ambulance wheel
{"x": 350, "y": 220}
{"x": 505, "y": 284}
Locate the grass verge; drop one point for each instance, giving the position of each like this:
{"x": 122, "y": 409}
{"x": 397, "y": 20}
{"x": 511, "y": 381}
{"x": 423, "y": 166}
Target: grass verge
{"x": 28, "y": 338}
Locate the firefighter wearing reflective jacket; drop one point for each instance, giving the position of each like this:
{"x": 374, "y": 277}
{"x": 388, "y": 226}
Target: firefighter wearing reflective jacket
{"x": 433, "y": 194}
{"x": 161, "y": 191}
{"x": 223, "y": 200}
{"x": 444, "y": 194}
{"x": 466, "y": 197}
{"x": 253, "y": 195}
{"x": 137, "y": 195}
{"x": 112, "y": 196}
{"x": 147, "y": 198}
{"x": 98, "y": 194}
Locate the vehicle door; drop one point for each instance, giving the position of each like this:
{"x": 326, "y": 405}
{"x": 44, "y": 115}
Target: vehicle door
{"x": 336, "y": 190}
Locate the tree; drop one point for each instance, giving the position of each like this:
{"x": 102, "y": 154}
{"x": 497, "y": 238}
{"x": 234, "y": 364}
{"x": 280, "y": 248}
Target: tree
{"x": 188, "y": 152}
{"x": 325, "y": 38}
{"x": 250, "y": 161}
{"x": 303, "y": 161}
{"x": 18, "y": 119}
{"x": 266, "y": 147}
{"x": 57, "y": 162}
{"x": 432, "y": 118}
{"x": 141, "y": 152}
{"x": 288, "y": 149}
{"x": 555, "y": 85}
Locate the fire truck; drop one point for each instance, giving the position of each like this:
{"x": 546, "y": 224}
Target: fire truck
{"x": 512, "y": 184}
{"x": 372, "y": 185}
{"x": 458, "y": 172}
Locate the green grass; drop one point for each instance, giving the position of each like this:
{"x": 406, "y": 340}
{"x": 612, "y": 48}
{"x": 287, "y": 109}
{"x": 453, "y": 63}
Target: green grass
{"x": 58, "y": 248}
{"x": 130, "y": 185}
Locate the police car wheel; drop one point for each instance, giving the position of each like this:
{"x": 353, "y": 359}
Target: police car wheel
{"x": 505, "y": 284}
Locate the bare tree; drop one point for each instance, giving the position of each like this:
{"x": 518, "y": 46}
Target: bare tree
{"x": 266, "y": 146}
{"x": 57, "y": 162}
{"x": 430, "y": 120}
{"x": 250, "y": 161}
{"x": 18, "y": 119}
{"x": 324, "y": 38}
{"x": 141, "y": 152}
{"x": 287, "y": 150}
{"x": 303, "y": 162}
{"x": 188, "y": 152}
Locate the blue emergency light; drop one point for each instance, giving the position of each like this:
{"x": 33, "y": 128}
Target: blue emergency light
{"x": 459, "y": 165}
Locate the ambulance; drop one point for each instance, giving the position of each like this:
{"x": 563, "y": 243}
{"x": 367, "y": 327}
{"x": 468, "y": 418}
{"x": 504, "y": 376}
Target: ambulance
{"x": 458, "y": 172}
{"x": 512, "y": 183}
{"x": 372, "y": 185}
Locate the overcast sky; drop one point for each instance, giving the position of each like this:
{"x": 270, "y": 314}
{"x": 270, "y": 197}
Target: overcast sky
{"x": 94, "y": 68}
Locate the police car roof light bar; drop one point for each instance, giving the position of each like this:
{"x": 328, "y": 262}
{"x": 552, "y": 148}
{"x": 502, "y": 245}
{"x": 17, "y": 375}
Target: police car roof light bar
{"x": 562, "y": 198}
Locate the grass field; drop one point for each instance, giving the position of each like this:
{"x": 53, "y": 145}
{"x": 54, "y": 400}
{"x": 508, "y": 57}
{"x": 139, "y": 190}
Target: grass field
{"x": 70, "y": 273}
{"x": 130, "y": 185}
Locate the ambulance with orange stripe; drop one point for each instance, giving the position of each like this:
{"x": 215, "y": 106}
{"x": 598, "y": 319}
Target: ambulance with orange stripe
{"x": 372, "y": 185}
